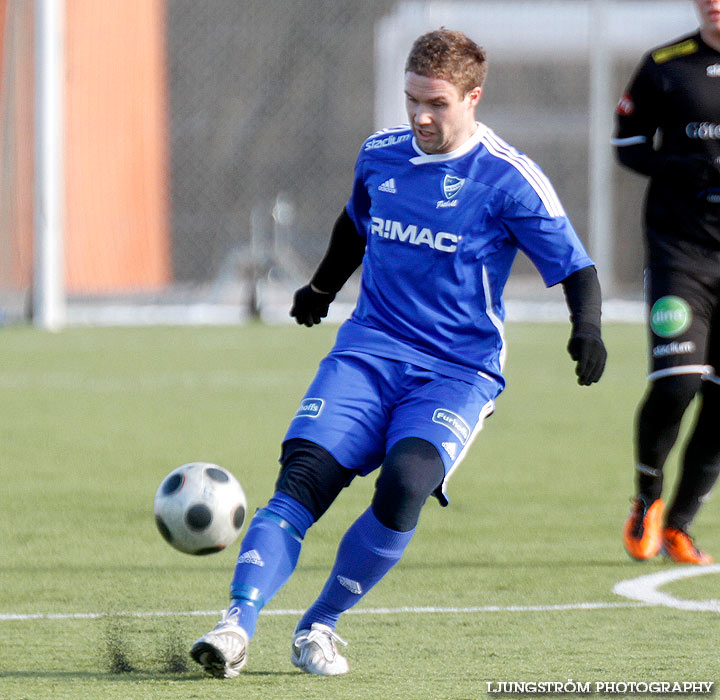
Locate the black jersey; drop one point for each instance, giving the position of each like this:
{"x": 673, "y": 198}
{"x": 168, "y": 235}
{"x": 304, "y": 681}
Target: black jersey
{"x": 668, "y": 127}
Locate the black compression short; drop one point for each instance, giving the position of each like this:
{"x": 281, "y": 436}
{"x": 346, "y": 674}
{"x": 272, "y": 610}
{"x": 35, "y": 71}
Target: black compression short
{"x": 684, "y": 322}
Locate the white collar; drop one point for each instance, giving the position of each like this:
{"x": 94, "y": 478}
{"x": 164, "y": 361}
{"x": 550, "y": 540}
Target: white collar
{"x": 466, "y": 147}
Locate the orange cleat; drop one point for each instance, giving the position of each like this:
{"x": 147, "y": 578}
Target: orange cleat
{"x": 642, "y": 534}
{"x": 679, "y": 546}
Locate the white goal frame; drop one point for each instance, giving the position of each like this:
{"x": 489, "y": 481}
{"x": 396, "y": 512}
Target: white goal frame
{"x": 49, "y": 262}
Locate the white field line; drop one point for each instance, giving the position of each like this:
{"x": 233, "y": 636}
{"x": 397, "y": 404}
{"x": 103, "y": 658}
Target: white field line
{"x": 5, "y": 617}
{"x": 645, "y": 589}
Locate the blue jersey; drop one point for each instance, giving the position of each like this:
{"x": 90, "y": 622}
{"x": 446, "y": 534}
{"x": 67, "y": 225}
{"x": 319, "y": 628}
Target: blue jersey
{"x": 442, "y": 233}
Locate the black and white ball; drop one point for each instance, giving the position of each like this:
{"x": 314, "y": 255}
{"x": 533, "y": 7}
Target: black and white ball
{"x": 200, "y": 508}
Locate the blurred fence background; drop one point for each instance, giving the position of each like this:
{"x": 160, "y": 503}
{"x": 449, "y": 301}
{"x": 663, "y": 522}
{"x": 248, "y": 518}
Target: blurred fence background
{"x": 209, "y": 144}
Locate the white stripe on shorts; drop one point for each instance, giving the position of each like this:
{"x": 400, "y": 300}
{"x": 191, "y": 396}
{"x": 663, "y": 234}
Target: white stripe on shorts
{"x": 485, "y": 411}
{"x": 706, "y": 370}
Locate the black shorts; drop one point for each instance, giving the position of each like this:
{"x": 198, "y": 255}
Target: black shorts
{"x": 683, "y": 322}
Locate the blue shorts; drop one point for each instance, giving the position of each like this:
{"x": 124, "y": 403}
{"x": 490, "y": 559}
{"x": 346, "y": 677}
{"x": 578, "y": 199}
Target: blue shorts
{"x": 359, "y": 405}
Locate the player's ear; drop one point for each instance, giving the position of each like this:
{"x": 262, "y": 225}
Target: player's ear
{"x": 474, "y": 96}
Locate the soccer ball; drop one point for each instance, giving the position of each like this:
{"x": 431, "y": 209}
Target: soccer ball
{"x": 200, "y": 508}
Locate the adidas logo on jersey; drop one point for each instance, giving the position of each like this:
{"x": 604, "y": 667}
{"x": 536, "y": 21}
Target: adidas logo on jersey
{"x": 450, "y": 448}
{"x": 388, "y": 186}
{"x": 251, "y": 557}
{"x": 352, "y": 586}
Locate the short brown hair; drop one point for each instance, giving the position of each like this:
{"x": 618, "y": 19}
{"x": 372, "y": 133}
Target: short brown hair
{"x": 448, "y": 55}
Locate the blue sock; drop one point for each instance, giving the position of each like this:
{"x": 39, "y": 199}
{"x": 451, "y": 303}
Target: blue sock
{"x": 366, "y": 553}
{"x": 268, "y": 556}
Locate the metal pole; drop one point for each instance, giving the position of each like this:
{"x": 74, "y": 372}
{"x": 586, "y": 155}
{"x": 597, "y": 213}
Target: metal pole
{"x": 48, "y": 282}
{"x": 600, "y": 216}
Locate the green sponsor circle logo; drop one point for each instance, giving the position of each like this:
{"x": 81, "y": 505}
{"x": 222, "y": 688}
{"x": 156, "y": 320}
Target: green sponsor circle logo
{"x": 670, "y": 316}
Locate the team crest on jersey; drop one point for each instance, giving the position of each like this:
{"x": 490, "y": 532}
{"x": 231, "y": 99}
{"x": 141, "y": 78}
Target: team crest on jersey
{"x": 713, "y": 71}
{"x": 452, "y": 185}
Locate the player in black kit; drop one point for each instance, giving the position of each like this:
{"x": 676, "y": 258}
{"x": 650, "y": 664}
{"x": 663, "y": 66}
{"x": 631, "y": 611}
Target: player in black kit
{"x": 668, "y": 128}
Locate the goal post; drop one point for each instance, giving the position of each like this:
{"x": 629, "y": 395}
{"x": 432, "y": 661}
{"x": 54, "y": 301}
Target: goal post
{"x": 48, "y": 306}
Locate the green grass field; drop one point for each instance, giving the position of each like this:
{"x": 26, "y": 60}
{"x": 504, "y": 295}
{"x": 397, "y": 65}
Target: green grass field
{"x": 92, "y": 419}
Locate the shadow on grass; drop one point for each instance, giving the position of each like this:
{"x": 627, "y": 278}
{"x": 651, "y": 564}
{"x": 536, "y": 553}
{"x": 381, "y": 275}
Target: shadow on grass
{"x": 136, "y": 675}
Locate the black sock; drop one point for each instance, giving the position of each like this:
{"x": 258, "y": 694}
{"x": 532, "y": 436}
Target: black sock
{"x": 649, "y": 483}
{"x": 658, "y": 425}
{"x": 701, "y": 465}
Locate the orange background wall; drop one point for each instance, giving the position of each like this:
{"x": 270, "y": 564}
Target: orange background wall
{"x": 16, "y": 154}
{"x": 116, "y": 155}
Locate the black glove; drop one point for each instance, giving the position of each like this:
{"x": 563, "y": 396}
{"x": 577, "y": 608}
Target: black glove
{"x": 310, "y": 306}
{"x": 590, "y": 354}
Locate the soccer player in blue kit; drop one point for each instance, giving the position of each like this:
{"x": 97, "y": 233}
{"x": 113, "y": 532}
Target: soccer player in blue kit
{"x": 438, "y": 210}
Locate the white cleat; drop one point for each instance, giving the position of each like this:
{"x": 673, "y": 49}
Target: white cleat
{"x": 315, "y": 651}
{"x": 222, "y": 652}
